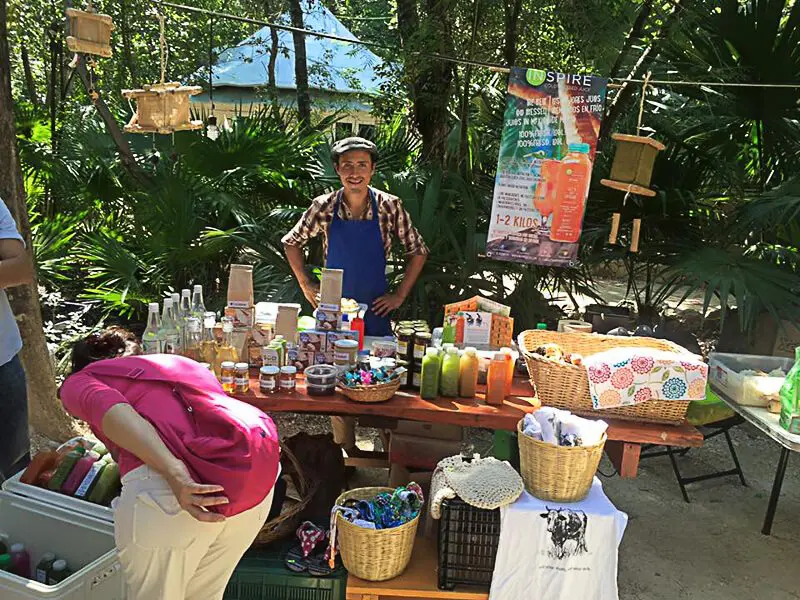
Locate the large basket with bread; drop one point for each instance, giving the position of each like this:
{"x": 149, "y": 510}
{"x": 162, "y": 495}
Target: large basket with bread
{"x": 566, "y": 386}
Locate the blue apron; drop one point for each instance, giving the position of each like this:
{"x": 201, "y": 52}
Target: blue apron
{"x": 357, "y": 248}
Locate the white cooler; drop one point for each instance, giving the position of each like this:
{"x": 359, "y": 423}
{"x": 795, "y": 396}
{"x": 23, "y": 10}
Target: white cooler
{"x": 79, "y": 532}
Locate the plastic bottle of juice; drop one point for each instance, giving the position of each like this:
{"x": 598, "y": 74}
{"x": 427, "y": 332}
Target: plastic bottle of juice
{"x": 468, "y": 373}
{"x": 44, "y": 567}
{"x": 58, "y": 573}
{"x": 431, "y": 365}
{"x": 5, "y": 562}
{"x": 574, "y": 176}
{"x": 511, "y": 363}
{"x": 496, "y": 379}
{"x": 790, "y": 397}
{"x": 451, "y": 367}
{"x": 20, "y": 561}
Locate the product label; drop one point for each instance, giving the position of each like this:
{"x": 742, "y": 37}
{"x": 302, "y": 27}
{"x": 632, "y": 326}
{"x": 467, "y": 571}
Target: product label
{"x": 288, "y": 384}
{"x": 341, "y": 356}
{"x": 416, "y": 380}
{"x": 240, "y": 381}
{"x": 402, "y": 348}
{"x": 419, "y": 350}
{"x": 227, "y": 379}
{"x": 41, "y": 575}
{"x": 83, "y": 488}
{"x": 267, "y": 385}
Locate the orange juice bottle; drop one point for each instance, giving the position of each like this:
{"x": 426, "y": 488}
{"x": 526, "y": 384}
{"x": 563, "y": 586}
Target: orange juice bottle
{"x": 510, "y": 365}
{"x": 545, "y": 198}
{"x": 573, "y": 186}
{"x": 496, "y": 380}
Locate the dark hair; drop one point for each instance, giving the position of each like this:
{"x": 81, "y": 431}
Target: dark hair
{"x": 112, "y": 342}
{"x": 354, "y": 143}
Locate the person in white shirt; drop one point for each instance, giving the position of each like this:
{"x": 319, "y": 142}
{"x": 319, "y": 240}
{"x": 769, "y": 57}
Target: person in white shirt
{"x": 16, "y": 268}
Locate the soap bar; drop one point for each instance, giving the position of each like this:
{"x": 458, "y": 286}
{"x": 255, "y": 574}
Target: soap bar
{"x": 65, "y": 467}
{"x": 107, "y": 486}
{"x": 78, "y": 473}
{"x": 42, "y": 462}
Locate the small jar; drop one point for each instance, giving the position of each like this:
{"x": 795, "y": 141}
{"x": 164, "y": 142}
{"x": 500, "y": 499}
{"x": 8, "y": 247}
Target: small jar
{"x": 227, "y": 370}
{"x": 405, "y": 343}
{"x": 207, "y": 366}
{"x": 268, "y": 379}
{"x": 287, "y": 380}
{"x": 345, "y": 353}
{"x": 422, "y": 340}
{"x": 242, "y": 378}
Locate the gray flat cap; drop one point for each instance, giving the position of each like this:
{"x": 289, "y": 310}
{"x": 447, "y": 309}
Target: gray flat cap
{"x": 353, "y": 143}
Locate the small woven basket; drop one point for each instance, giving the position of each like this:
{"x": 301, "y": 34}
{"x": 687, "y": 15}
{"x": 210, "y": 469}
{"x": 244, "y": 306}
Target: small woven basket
{"x": 371, "y": 393}
{"x": 288, "y": 521}
{"x": 557, "y": 473}
{"x": 374, "y": 554}
{"x": 566, "y": 386}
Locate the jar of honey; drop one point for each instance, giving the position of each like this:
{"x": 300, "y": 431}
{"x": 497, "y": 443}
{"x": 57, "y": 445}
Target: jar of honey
{"x": 268, "y": 379}
{"x": 242, "y": 378}
{"x": 287, "y": 379}
{"x": 227, "y": 371}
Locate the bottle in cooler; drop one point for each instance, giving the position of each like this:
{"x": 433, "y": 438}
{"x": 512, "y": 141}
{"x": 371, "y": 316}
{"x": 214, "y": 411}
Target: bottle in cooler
{"x": 79, "y": 472}
{"x": 20, "y": 561}
{"x": 58, "y": 572}
{"x": 168, "y": 332}
{"x": 151, "y": 340}
{"x": 44, "y": 567}
{"x": 5, "y": 562}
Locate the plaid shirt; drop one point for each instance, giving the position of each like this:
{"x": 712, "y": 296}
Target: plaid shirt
{"x": 392, "y": 218}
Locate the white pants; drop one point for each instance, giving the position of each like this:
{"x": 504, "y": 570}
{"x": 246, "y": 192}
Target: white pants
{"x": 166, "y": 553}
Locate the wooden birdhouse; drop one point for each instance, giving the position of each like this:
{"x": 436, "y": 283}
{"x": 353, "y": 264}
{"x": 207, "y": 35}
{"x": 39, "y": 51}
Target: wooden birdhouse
{"x": 632, "y": 168}
{"x": 162, "y": 108}
{"x": 90, "y": 32}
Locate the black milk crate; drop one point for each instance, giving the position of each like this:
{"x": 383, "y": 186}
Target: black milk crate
{"x": 468, "y": 539}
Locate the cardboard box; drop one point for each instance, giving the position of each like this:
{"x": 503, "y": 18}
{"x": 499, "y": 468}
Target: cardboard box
{"x": 299, "y": 359}
{"x": 323, "y": 358}
{"x": 475, "y": 304}
{"x": 312, "y": 341}
{"x": 271, "y": 357}
{"x": 262, "y": 334}
{"x": 243, "y": 318}
{"x": 330, "y": 289}
{"x": 254, "y": 357}
{"x": 286, "y": 322}
{"x": 420, "y": 452}
{"x": 329, "y": 320}
{"x": 437, "y": 431}
{"x": 335, "y": 336}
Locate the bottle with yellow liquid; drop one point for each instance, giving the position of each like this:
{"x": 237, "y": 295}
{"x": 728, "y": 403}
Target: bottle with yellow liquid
{"x": 225, "y": 351}
{"x": 572, "y": 188}
{"x": 193, "y": 339}
{"x": 208, "y": 346}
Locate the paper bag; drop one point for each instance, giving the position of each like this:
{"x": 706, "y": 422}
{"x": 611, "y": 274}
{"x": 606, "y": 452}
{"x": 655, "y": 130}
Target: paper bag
{"x": 330, "y": 292}
{"x": 240, "y": 287}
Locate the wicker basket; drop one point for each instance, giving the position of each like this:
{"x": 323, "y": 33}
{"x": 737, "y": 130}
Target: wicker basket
{"x": 557, "y": 473}
{"x": 374, "y": 554}
{"x": 288, "y": 521}
{"x": 371, "y": 393}
{"x": 566, "y": 386}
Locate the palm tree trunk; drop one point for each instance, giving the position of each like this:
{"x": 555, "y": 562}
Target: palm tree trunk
{"x": 30, "y": 84}
{"x": 45, "y": 411}
{"x": 300, "y": 64}
{"x": 513, "y": 8}
{"x": 127, "y": 53}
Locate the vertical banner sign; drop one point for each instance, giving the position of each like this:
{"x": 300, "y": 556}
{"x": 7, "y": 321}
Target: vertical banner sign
{"x": 547, "y": 150}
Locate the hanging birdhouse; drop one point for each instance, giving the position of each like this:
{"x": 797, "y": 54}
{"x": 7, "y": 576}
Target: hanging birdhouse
{"x": 632, "y": 168}
{"x": 162, "y": 108}
{"x": 89, "y": 32}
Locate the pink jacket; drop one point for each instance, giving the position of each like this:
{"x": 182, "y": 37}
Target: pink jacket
{"x": 221, "y": 440}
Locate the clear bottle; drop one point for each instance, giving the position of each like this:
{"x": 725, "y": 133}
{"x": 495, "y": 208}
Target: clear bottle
{"x": 208, "y": 346}
{"x": 184, "y": 312}
{"x": 431, "y": 367}
{"x": 168, "y": 332}
{"x": 193, "y": 339}
{"x": 451, "y": 367}
{"x": 151, "y": 340}
{"x": 468, "y": 373}
{"x": 198, "y": 307}
{"x": 44, "y": 567}
{"x": 226, "y": 351}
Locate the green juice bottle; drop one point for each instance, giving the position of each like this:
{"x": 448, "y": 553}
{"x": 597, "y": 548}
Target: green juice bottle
{"x": 790, "y": 397}
{"x": 451, "y": 366}
{"x": 431, "y": 365}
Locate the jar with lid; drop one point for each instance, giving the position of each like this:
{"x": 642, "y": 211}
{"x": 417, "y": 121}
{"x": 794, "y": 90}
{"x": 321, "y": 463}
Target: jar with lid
{"x": 287, "y": 379}
{"x": 405, "y": 344}
{"x": 242, "y": 378}
{"x": 345, "y": 353}
{"x": 268, "y": 379}
{"x": 227, "y": 370}
{"x": 422, "y": 340}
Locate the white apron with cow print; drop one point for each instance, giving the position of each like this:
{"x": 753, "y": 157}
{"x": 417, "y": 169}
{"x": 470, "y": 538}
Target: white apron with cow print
{"x": 558, "y": 551}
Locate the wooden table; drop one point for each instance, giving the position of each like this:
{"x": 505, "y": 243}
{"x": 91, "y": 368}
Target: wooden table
{"x": 418, "y": 581}
{"x": 625, "y": 438}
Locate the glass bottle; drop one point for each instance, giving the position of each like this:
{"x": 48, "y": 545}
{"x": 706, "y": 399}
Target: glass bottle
{"x": 184, "y": 312}
{"x": 193, "y": 338}
{"x": 151, "y": 340}
{"x": 198, "y": 308}
{"x": 225, "y": 351}
{"x": 168, "y": 332}
{"x": 208, "y": 346}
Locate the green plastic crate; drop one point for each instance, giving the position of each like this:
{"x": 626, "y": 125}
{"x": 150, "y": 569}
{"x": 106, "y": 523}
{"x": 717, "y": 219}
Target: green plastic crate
{"x": 506, "y": 447}
{"x": 261, "y": 575}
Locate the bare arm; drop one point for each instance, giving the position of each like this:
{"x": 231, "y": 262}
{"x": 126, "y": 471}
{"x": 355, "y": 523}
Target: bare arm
{"x": 127, "y": 429}
{"x": 294, "y": 254}
{"x": 16, "y": 267}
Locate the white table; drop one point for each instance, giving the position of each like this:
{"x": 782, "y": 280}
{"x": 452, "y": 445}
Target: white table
{"x": 767, "y": 423}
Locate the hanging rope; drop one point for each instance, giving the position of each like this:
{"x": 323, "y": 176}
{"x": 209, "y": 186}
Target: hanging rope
{"x": 211, "y": 61}
{"x": 641, "y": 102}
{"x": 163, "y": 44}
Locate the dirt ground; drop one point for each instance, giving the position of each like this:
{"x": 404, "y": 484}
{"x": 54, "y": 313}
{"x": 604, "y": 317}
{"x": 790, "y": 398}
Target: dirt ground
{"x": 710, "y": 549}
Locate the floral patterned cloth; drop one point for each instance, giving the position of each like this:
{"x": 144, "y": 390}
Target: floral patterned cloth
{"x": 628, "y": 376}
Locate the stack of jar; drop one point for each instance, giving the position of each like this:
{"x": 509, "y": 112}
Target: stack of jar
{"x": 413, "y": 337}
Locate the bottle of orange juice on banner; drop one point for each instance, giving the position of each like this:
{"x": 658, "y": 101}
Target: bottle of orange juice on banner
{"x": 573, "y": 186}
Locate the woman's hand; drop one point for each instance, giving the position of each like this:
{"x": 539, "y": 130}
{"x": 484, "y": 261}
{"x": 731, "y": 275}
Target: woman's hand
{"x": 195, "y": 497}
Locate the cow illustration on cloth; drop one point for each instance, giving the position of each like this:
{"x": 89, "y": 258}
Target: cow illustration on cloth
{"x": 567, "y": 530}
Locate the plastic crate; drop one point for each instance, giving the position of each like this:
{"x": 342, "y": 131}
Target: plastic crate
{"x": 262, "y": 575}
{"x": 468, "y": 539}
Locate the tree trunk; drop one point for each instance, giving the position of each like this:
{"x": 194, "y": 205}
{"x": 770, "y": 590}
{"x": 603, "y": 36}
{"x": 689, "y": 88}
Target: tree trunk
{"x": 513, "y": 8}
{"x": 300, "y": 64}
{"x": 463, "y": 144}
{"x": 127, "y": 53}
{"x": 46, "y": 414}
{"x": 30, "y": 84}
{"x": 634, "y": 35}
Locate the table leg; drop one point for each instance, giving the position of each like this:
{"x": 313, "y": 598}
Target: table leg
{"x": 625, "y": 457}
{"x": 776, "y": 491}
